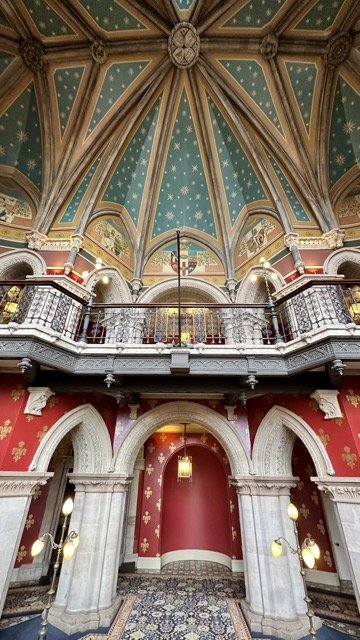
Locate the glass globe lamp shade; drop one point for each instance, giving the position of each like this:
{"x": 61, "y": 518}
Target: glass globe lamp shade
{"x": 276, "y": 548}
{"x": 315, "y": 549}
{"x": 308, "y": 557}
{"x": 37, "y": 547}
{"x": 68, "y": 507}
{"x": 68, "y": 549}
{"x": 292, "y": 512}
{"x": 253, "y": 277}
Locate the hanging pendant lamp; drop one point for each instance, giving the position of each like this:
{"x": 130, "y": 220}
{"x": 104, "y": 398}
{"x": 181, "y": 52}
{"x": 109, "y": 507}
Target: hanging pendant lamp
{"x": 185, "y": 462}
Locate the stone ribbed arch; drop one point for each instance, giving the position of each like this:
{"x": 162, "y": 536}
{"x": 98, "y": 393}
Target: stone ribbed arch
{"x": 90, "y": 439}
{"x": 116, "y": 291}
{"x": 13, "y": 258}
{"x": 333, "y": 263}
{"x": 169, "y": 287}
{"x": 248, "y": 291}
{"x": 182, "y": 411}
{"x": 274, "y": 443}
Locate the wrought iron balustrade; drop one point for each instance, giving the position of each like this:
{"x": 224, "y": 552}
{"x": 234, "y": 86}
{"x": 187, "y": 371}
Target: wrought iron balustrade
{"x": 48, "y": 305}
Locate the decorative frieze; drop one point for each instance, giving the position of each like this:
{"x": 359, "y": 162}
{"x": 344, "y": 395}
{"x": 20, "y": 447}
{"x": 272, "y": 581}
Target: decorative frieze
{"x": 264, "y": 485}
{"x": 100, "y": 483}
{"x": 340, "y": 489}
{"x": 21, "y": 484}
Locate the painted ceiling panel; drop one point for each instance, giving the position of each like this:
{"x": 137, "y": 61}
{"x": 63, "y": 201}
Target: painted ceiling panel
{"x": 184, "y": 5}
{"x": 126, "y": 186}
{"x": 196, "y": 260}
{"x": 67, "y": 81}
{"x": 184, "y": 199}
{"x": 5, "y": 59}
{"x": 241, "y": 183}
{"x": 73, "y": 207}
{"x": 321, "y": 16}
{"x": 344, "y": 141}
{"x": 254, "y": 14}
{"x": 118, "y": 78}
{"x": 302, "y": 76}
{"x": 250, "y": 76}
{"x": 296, "y": 207}
{"x": 110, "y": 16}
{"x": 20, "y": 136}
{"x": 48, "y": 22}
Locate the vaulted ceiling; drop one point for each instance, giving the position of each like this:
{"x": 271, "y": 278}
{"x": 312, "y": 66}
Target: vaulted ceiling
{"x": 145, "y": 116}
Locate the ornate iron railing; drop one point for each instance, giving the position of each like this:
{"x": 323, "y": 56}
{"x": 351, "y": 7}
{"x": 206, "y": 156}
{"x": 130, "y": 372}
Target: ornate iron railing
{"x": 315, "y": 305}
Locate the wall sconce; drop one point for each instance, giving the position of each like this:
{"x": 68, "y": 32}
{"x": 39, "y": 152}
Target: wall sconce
{"x": 67, "y": 547}
{"x": 185, "y": 462}
{"x": 307, "y": 553}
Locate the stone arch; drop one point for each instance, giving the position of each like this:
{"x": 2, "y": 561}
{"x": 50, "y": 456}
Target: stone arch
{"x": 198, "y": 287}
{"x": 90, "y": 439}
{"x": 333, "y": 263}
{"x": 182, "y": 411}
{"x": 274, "y": 442}
{"x": 248, "y": 291}
{"x": 22, "y": 256}
{"x": 116, "y": 291}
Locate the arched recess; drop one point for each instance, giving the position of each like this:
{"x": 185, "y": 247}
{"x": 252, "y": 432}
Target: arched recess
{"x": 12, "y": 261}
{"x": 116, "y": 291}
{"x": 340, "y": 258}
{"x": 251, "y": 290}
{"x": 182, "y": 411}
{"x": 198, "y": 289}
{"x": 274, "y": 442}
{"x": 90, "y": 439}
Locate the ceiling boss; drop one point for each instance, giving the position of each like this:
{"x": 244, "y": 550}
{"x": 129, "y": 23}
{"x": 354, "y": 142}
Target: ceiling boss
{"x": 184, "y": 45}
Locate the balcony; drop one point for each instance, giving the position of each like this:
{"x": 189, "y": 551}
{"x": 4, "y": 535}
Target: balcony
{"x": 58, "y": 323}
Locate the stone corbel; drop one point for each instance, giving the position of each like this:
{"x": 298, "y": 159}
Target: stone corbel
{"x": 231, "y": 415}
{"x": 230, "y": 285}
{"x": 134, "y": 408}
{"x": 334, "y": 238}
{"x": 38, "y": 397}
{"x": 36, "y": 240}
{"x": 328, "y": 402}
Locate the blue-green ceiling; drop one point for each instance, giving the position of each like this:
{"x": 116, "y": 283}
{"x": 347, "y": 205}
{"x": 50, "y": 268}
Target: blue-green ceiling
{"x": 184, "y": 199}
{"x": 110, "y": 16}
{"x": 20, "y": 136}
{"x": 296, "y": 207}
{"x": 47, "y": 21}
{"x": 67, "y": 82}
{"x": 184, "y": 5}
{"x": 302, "y": 76}
{"x": 127, "y": 183}
{"x": 241, "y": 183}
{"x": 344, "y": 141}
{"x": 5, "y": 59}
{"x": 255, "y": 14}
{"x": 321, "y": 16}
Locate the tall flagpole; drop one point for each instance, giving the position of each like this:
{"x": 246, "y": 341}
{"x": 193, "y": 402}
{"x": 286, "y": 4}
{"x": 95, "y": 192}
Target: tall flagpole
{"x": 178, "y": 284}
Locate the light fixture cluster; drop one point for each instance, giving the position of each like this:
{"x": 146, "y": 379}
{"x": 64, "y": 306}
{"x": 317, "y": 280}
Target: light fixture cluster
{"x": 184, "y": 462}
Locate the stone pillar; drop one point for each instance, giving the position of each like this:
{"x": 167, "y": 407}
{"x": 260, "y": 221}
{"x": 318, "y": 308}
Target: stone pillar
{"x": 16, "y": 491}
{"x": 291, "y": 241}
{"x": 86, "y": 595}
{"x": 274, "y": 603}
{"x": 129, "y": 555}
{"x": 76, "y": 243}
{"x": 345, "y": 493}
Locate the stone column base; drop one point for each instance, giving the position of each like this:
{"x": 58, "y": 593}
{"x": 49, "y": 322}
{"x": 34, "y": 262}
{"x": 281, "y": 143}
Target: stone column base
{"x": 286, "y": 629}
{"x": 73, "y": 621}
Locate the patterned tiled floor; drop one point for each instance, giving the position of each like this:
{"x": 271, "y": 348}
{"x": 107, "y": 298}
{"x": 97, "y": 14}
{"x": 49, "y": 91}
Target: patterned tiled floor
{"x": 195, "y": 568}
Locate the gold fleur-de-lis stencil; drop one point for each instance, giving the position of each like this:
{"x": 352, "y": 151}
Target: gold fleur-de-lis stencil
{"x": 353, "y": 398}
{"x": 157, "y": 531}
{"x": 144, "y": 545}
{"x": 161, "y": 457}
{"x": 158, "y": 504}
{"x": 30, "y": 520}
{"x": 22, "y": 553}
{"x": 5, "y": 429}
{"x": 324, "y": 437}
{"x": 37, "y": 492}
{"x": 18, "y": 392}
{"x": 148, "y": 493}
{"x": 146, "y": 517}
{"x": 19, "y": 451}
{"x": 349, "y": 457}
{"x": 172, "y": 447}
{"x": 304, "y": 510}
{"x": 149, "y": 469}
{"x": 40, "y": 434}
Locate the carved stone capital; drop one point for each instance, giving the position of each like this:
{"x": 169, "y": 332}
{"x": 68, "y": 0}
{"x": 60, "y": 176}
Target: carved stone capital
{"x": 99, "y": 51}
{"x": 334, "y": 238}
{"x": 269, "y": 46}
{"x": 100, "y": 483}
{"x": 328, "y": 402}
{"x": 36, "y": 240}
{"x": 21, "y": 484}
{"x": 184, "y": 45}
{"x": 32, "y": 53}
{"x": 263, "y": 486}
{"x": 291, "y": 239}
{"x": 38, "y": 397}
{"x": 337, "y": 49}
{"x": 76, "y": 241}
{"x": 340, "y": 489}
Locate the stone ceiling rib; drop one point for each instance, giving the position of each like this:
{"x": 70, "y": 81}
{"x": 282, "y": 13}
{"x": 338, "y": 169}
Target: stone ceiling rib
{"x": 220, "y": 8}
{"x": 147, "y": 10}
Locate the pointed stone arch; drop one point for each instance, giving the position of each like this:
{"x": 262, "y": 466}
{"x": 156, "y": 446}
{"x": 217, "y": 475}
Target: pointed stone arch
{"x": 90, "y": 439}
{"x": 248, "y": 291}
{"x": 334, "y": 262}
{"x": 116, "y": 291}
{"x": 274, "y": 442}
{"x": 22, "y": 256}
{"x": 182, "y": 411}
{"x": 193, "y": 285}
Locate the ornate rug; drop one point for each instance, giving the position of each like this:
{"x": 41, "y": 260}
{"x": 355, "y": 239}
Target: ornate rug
{"x": 177, "y": 608}
{"x": 334, "y": 606}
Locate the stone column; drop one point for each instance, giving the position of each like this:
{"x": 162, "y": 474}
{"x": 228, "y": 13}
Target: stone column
{"x": 345, "y": 493}
{"x": 16, "y": 491}
{"x": 86, "y": 595}
{"x": 129, "y": 555}
{"x": 292, "y": 241}
{"x": 274, "y": 603}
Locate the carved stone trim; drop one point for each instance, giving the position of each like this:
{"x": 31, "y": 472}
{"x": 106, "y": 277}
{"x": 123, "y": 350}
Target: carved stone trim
{"x": 269, "y": 46}
{"x": 333, "y": 263}
{"x": 169, "y": 287}
{"x": 340, "y": 489}
{"x": 263, "y": 486}
{"x": 334, "y": 238}
{"x": 337, "y": 49}
{"x": 36, "y": 240}
{"x": 328, "y": 402}
{"x": 32, "y": 53}
{"x": 21, "y": 484}
{"x": 184, "y": 45}
{"x": 100, "y": 483}
{"x": 38, "y": 397}
{"x": 12, "y": 258}
{"x": 99, "y": 51}
{"x": 116, "y": 291}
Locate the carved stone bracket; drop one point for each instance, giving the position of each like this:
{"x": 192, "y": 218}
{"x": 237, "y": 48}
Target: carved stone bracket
{"x": 340, "y": 489}
{"x": 99, "y": 51}
{"x": 21, "y": 484}
{"x": 328, "y": 402}
{"x": 38, "y": 397}
{"x": 230, "y": 410}
{"x": 337, "y": 49}
{"x": 35, "y": 239}
{"x": 32, "y": 53}
{"x": 334, "y": 238}
{"x": 269, "y": 46}
{"x": 134, "y": 408}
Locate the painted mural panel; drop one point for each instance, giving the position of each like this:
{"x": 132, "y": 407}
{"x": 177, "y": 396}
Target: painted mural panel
{"x": 14, "y": 208}
{"x": 195, "y": 260}
{"x": 258, "y": 233}
{"x": 110, "y": 235}
{"x": 348, "y": 211}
